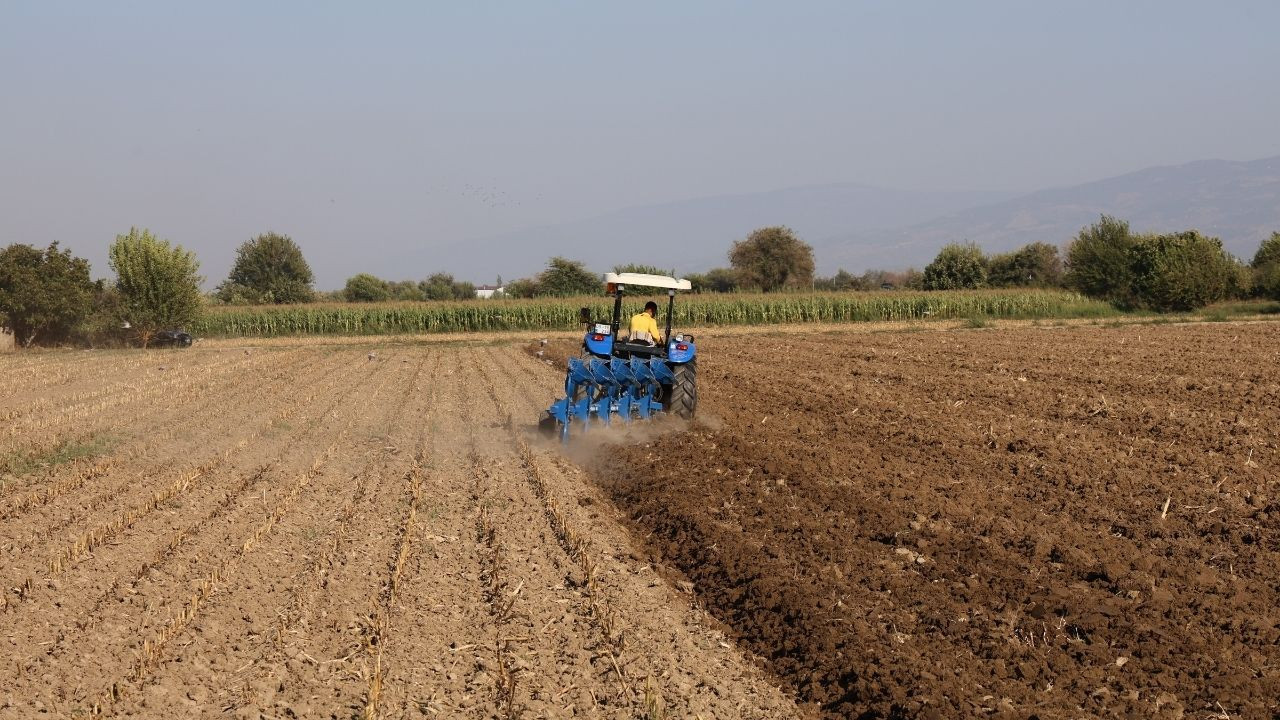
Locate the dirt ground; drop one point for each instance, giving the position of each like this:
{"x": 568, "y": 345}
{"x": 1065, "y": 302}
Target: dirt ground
{"x": 1049, "y": 522}
{"x": 1038, "y": 522}
{"x": 327, "y": 533}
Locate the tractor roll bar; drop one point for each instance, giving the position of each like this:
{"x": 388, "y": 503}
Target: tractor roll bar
{"x": 617, "y": 317}
{"x": 617, "y": 311}
{"x": 671, "y": 306}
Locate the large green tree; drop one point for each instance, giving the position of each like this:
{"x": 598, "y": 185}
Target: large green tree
{"x": 44, "y": 294}
{"x": 1266, "y": 268}
{"x": 564, "y": 278}
{"x": 1099, "y": 263}
{"x": 1268, "y": 252}
{"x": 366, "y": 288}
{"x": 158, "y": 283}
{"x": 1033, "y": 265}
{"x": 1180, "y": 271}
{"x": 1266, "y": 281}
{"x": 269, "y": 269}
{"x": 772, "y": 258}
{"x": 442, "y": 286}
{"x": 958, "y": 266}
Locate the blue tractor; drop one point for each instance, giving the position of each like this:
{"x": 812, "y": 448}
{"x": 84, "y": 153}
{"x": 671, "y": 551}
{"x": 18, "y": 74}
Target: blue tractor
{"x": 621, "y": 377}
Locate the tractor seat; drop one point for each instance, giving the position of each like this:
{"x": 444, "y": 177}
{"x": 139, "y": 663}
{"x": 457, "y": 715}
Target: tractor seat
{"x": 639, "y": 349}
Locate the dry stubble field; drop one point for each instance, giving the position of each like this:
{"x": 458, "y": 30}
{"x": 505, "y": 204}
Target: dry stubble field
{"x": 1035, "y": 522}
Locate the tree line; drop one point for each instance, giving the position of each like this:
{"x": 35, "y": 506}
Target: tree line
{"x": 48, "y": 297}
{"x": 769, "y": 259}
{"x": 1174, "y": 271}
{"x": 271, "y": 270}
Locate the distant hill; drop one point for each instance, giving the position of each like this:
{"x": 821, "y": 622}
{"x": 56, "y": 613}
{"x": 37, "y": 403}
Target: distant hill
{"x": 694, "y": 235}
{"x": 858, "y": 226}
{"x": 1238, "y": 202}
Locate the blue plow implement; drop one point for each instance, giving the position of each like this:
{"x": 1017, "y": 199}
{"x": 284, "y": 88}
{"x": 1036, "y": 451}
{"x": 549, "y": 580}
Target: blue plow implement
{"x": 617, "y": 389}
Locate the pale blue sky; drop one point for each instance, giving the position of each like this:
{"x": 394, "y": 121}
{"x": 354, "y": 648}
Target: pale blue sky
{"x": 372, "y": 131}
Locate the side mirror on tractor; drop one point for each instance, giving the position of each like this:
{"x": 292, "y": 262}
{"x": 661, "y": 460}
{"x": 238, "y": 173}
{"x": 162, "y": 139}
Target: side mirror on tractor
{"x": 584, "y": 316}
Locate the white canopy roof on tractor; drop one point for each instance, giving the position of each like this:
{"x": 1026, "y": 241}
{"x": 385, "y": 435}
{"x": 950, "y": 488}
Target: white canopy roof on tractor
{"x": 643, "y": 280}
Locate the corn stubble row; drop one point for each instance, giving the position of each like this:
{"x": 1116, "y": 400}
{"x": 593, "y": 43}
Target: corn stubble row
{"x": 691, "y": 311}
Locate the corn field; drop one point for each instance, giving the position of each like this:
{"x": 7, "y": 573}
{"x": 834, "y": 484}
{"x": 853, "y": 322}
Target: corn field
{"x": 691, "y": 311}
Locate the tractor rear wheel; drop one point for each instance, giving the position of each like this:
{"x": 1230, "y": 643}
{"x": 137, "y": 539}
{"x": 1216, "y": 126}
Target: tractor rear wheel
{"x": 683, "y": 397}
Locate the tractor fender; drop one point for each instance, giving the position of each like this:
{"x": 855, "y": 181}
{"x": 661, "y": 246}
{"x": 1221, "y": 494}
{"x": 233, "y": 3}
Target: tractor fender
{"x": 598, "y": 340}
{"x": 680, "y": 352}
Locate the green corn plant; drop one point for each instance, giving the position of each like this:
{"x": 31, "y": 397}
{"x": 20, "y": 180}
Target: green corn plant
{"x": 691, "y": 311}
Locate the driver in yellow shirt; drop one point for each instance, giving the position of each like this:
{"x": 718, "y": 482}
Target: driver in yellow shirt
{"x": 644, "y": 326}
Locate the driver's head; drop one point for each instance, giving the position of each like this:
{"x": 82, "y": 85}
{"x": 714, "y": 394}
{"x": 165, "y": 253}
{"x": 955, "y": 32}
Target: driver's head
{"x": 651, "y": 307}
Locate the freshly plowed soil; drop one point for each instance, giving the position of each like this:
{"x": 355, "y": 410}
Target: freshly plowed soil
{"x": 331, "y": 532}
{"x": 1053, "y": 523}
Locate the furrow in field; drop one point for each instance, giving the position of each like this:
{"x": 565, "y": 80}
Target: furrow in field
{"x": 918, "y": 496}
{"x": 227, "y": 663}
{"x": 115, "y": 627}
{"x": 50, "y": 389}
{"x": 995, "y": 420}
{"x": 152, "y": 437}
{"x": 593, "y": 635}
{"x": 671, "y": 650}
{"x": 436, "y": 659}
{"x": 157, "y": 448}
{"x": 71, "y": 593}
{"x": 88, "y": 415}
{"x": 314, "y": 587}
{"x": 135, "y": 504}
{"x": 223, "y": 567}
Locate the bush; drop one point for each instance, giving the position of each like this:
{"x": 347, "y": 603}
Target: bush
{"x": 229, "y": 293}
{"x": 268, "y": 269}
{"x": 772, "y": 258}
{"x": 1179, "y": 271}
{"x": 957, "y": 267}
{"x": 721, "y": 280}
{"x": 522, "y": 288}
{"x": 442, "y": 286}
{"x": 43, "y": 294}
{"x": 841, "y": 281}
{"x": 1099, "y": 263}
{"x": 643, "y": 269}
{"x": 1033, "y": 265}
{"x": 159, "y": 283}
{"x": 1266, "y": 281}
{"x": 1241, "y": 280}
{"x": 564, "y": 278}
{"x": 366, "y": 288}
{"x": 1266, "y": 268}
{"x": 407, "y": 290}
{"x": 1268, "y": 253}
{"x": 104, "y": 327}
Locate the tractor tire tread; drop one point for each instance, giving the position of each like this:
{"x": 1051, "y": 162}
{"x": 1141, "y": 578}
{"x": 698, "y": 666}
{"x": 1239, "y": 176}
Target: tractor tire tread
{"x": 684, "y": 391}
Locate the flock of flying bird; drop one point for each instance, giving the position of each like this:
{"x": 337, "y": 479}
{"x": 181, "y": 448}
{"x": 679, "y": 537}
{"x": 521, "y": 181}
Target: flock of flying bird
{"x": 490, "y": 196}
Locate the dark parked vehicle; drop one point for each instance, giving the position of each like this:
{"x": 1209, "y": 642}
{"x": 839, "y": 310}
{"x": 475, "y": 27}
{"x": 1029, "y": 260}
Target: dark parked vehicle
{"x": 171, "y": 338}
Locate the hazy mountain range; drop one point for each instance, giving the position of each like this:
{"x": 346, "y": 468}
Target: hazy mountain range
{"x": 857, "y": 226}
{"x": 694, "y": 235}
{"x": 1238, "y": 202}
